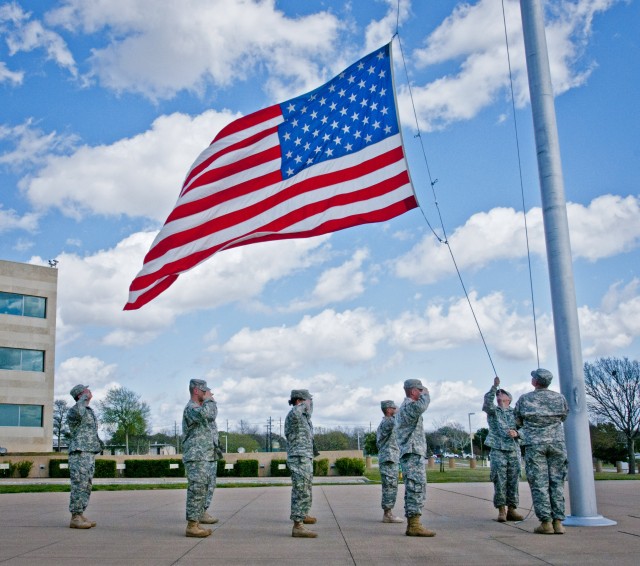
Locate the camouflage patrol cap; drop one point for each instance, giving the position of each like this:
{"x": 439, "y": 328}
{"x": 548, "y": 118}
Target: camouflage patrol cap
{"x": 413, "y": 383}
{"x": 505, "y": 392}
{"x": 387, "y": 405}
{"x": 198, "y": 384}
{"x": 542, "y": 376}
{"x": 76, "y": 390}
{"x": 300, "y": 394}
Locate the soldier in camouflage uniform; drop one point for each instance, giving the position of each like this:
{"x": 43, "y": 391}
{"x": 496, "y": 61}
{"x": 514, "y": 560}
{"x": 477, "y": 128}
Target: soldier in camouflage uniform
{"x": 83, "y": 447}
{"x": 388, "y": 457}
{"x": 199, "y": 456}
{"x": 298, "y": 430}
{"x": 413, "y": 451}
{"x": 539, "y": 416}
{"x": 505, "y": 461}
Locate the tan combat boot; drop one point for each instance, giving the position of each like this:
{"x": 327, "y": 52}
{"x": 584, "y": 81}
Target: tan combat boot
{"x": 415, "y": 528}
{"x": 300, "y": 531}
{"x": 502, "y": 514}
{"x": 389, "y": 517}
{"x": 195, "y": 530}
{"x": 92, "y": 523}
{"x": 77, "y": 522}
{"x": 544, "y": 528}
{"x": 207, "y": 519}
{"x": 558, "y": 527}
{"x": 309, "y": 520}
{"x": 513, "y": 515}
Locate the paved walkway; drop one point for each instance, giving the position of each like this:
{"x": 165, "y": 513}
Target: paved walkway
{"x": 147, "y": 527}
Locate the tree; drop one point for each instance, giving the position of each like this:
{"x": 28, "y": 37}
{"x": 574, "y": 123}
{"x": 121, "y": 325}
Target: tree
{"x": 479, "y": 439}
{"x": 123, "y": 412}
{"x": 60, "y": 427}
{"x": 331, "y": 440}
{"x": 370, "y": 445}
{"x": 613, "y": 385}
{"x": 607, "y": 443}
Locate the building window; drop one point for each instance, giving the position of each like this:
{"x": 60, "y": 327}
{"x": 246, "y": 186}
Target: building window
{"x": 23, "y": 305}
{"x": 21, "y": 359}
{"x": 21, "y": 415}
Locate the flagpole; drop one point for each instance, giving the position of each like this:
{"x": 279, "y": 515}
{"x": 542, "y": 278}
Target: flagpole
{"x": 584, "y": 511}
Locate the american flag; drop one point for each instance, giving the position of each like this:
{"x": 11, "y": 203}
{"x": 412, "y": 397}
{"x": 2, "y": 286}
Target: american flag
{"x": 324, "y": 161}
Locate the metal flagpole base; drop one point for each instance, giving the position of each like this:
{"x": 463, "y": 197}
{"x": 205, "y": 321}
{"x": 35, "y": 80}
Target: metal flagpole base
{"x": 593, "y": 521}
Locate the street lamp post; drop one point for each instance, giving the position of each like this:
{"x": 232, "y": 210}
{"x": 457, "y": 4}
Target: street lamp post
{"x": 226, "y": 444}
{"x": 470, "y": 437}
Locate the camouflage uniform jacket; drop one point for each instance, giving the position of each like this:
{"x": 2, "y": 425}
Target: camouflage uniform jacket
{"x": 386, "y": 442}
{"x": 409, "y": 427}
{"x": 500, "y": 422}
{"x": 541, "y": 413}
{"x": 83, "y": 428}
{"x": 298, "y": 430}
{"x": 198, "y": 441}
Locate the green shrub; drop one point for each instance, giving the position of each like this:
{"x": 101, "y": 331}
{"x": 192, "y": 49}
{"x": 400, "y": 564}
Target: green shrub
{"x": 321, "y": 467}
{"x": 153, "y": 469}
{"x": 24, "y": 467}
{"x": 279, "y": 473}
{"x": 105, "y": 469}
{"x": 350, "y": 466}
{"x": 55, "y": 471}
{"x": 246, "y": 468}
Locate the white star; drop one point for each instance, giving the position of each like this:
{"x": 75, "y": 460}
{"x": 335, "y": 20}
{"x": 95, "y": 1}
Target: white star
{"x": 382, "y": 74}
{"x": 346, "y": 129}
{"x": 294, "y": 123}
{"x": 351, "y": 79}
{"x": 329, "y": 152}
{"x": 309, "y": 161}
{"x": 354, "y": 116}
{"x": 305, "y": 128}
{"x": 307, "y": 146}
{"x": 343, "y": 112}
{"x": 367, "y": 138}
{"x": 384, "y": 110}
{"x": 337, "y": 140}
{"x": 383, "y": 91}
{"x": 364, "y": 102}
{"x": 298, "y": 141}
{"x": 348, "y": 147}
{"x": 333, "y": 106}
{"x": 362, "y": 84}
{"x": 298, "y": 159}
{"x": 303, "y": 110}
{"x": 360, "y": 66}
{"x": 387, "y": 129}
{"x": 365, "y": 120}
{"x": 357, "y": 134}
{"x": 380, "y": 55}
{"x": 315, "y": 133}
{"x": 317, "y": 149}
{"x": 326, "y": 137}
{"x": 291, "y": 107}
{"x": 352, "y": 98}
{"x": 289, "y": 154}
{"x": 334, "y": 124}
{"x": 376, "y": 125}
{"x": 289, "y": 171}
{"x": 342, "y": 92}
{"x": 332, "y": 88}
{"x": 287, "y": 136}
{"x": 314, "y": 115}
{"x": 372, "y": 88}
{"x": 322, "y": 101}
{"x": 372, "y": 70}
{"x": 374, "y": 106}
{"x": 324, "y": 119}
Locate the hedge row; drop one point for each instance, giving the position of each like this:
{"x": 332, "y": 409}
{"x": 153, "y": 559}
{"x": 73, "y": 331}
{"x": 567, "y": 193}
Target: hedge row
{"x": 320, "y": 468}
{"x": 350, "y": 466}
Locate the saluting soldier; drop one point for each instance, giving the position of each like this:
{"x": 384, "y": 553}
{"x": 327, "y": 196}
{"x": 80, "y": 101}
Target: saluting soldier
{"x": 84, "y": 444}
{"x": 388, "y": 458}
{"x": 413, "y": 451}
{"x": 540, "y": 414}
{"x": 298, "y": 430}
{"x": 199, "y": 456}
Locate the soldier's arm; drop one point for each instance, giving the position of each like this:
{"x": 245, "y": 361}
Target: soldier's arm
{"x": 210, "y": 409}
{"x": 517, "y": 415}
{"x": 488, "y": 406}
{"x": 75, "y": 414}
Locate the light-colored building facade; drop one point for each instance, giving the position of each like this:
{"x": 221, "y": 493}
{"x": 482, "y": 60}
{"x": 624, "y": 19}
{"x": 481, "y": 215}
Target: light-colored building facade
{"x": 28, "y": 295}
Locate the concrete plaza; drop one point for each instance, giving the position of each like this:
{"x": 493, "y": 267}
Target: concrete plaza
{"x": 147, "y": 527}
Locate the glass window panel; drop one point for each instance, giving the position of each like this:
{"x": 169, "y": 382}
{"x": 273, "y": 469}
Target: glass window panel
{"x": 31, "y": 415}
{"x": 11, "y": 303}
{"x": 32, "y": 360}
{"x": 9, "y": 415}
{"x": 35, "y": 306}
{"x": 10, "y": 358}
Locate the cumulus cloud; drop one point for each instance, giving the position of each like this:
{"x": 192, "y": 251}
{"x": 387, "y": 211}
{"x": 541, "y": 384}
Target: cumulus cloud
{"x": 449, "y": 324}
{"x": 11, "y": 220}
{"x": 9, "y": 76}
{"x": 606, "y": 227}
{"x": 347, "y": 337}
{"x": 187, "y": 44}
{"x": 137, "y": 176}
{"x": 483, "y": 72}
{"x": 87, "y": 370}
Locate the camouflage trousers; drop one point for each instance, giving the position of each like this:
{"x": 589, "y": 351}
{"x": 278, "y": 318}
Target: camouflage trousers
{"x": 505, "y": 475}
{"x": 389, "y": 478}
{"x": 301, "y": 468}
{"x": 201, "y": 478}
{"x": 82, "y": 466}
{"x": 415, "y": 483}
{"x": 546, "y": 466}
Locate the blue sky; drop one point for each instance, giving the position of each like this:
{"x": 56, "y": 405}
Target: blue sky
{"x": 105, "y": 105}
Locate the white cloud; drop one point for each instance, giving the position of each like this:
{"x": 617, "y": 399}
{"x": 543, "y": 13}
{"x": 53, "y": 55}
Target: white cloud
{"x": 85, "y": 370}
{"x": 607, "y": 227}
{"x": 336, "y": 284}
{"x": 347, "y": 337}
{"x": 184, "y": 45}
{"x": 380, "y": 32}
{"x": 615, "y": 325}
{"x": 22, "y": 34}
{"x": 7, "y": 75}
{"x": 10, "y": 220}
{"x": 483, "y": 70}
{"x": 138, "y": 176}
{"x": 450, "y": 324}
{"x": 31, "y": 146}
